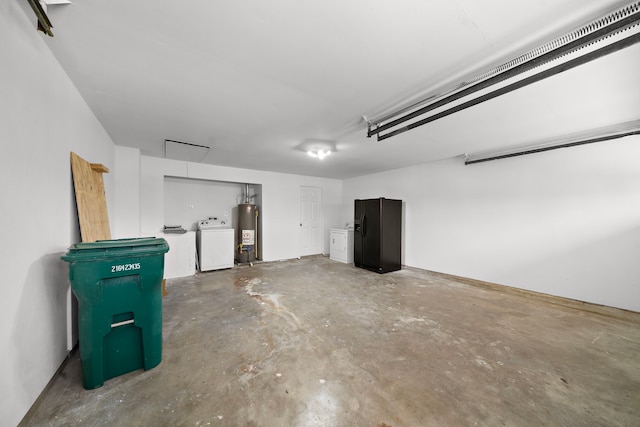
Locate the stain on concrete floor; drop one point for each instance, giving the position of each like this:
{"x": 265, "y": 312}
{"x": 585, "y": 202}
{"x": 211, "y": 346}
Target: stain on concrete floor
{"x": 314, "y": 342}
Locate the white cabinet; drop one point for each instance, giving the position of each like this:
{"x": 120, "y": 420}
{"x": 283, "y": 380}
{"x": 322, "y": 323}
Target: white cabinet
{"x": 341, "y": 245}
{"x": 215, "y": 248}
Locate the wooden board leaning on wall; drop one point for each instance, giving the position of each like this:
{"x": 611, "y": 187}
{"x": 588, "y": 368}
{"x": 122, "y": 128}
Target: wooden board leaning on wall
{"x": 90, "y": 199}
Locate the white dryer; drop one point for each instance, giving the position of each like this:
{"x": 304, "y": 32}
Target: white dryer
{"x": 215, "y": 244}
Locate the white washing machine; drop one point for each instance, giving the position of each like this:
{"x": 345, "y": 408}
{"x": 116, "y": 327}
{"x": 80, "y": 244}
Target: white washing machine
{"x": 215, "y": 245}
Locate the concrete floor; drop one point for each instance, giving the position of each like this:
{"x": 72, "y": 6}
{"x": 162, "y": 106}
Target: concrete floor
{"x": 314, "y": 342}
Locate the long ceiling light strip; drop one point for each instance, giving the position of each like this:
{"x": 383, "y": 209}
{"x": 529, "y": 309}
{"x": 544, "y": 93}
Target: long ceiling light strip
{"x": 597, "y": 135}
{"x": 614, "y": 23}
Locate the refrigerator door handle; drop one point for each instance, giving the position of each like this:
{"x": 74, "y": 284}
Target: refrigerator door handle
{"x": 364, "y": 225}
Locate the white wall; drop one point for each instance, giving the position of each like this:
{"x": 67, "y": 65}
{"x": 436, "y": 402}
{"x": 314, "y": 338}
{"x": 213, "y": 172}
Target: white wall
{"x": 187, "y": 201}
{"x": 42, "y": 119}
{"x": 126, "y": 173}
{"x": 280, "y": 200}
{"x": 564, "y": 222}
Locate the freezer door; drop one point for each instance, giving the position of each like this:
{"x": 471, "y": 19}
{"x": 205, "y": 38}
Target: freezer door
{"x": 371, "y": 234}
{"x": 357, "y": 232}
{"x": 366, "y": 234}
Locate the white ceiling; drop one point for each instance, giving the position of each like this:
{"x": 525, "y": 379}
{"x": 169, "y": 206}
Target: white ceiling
{"x": 253, "y": 79}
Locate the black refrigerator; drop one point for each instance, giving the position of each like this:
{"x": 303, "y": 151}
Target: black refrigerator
{"x": 377, "y": 234}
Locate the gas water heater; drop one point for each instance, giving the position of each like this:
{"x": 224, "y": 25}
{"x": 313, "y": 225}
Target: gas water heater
{"x": 247, "y": 230}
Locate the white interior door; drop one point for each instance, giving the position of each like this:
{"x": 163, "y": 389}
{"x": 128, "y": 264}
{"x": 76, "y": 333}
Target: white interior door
{"x": 310, "y": 221}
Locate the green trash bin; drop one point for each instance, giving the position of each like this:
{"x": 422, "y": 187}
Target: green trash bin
{"x": 118, "y": 284}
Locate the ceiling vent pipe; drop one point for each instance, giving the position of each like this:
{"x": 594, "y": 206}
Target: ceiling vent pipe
{"x": 246, "y": 194}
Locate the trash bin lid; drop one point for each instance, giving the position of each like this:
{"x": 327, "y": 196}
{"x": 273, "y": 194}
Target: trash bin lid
{"x": 118, "y": 248}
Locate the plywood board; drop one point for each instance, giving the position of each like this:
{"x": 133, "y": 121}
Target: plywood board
{"x": 90, "y": 199}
